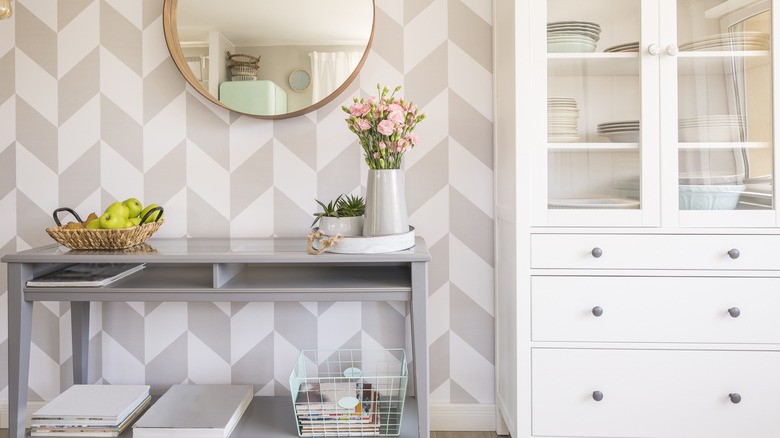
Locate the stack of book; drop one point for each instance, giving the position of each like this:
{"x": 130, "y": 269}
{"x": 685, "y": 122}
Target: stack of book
{"x": 203, "y": 411}
{"x": 91, "y": 410}
{"x": 337, "y": 409}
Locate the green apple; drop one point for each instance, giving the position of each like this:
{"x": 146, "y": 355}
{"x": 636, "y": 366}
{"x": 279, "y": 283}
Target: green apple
{"x": 134, "y": 206}
{"x": 135, "y": 221}
{"x": 119, "y": 209}
{"x": 153, "y": 216}
{"x": 94, "y": 224}
{"x": 112, "y": 220}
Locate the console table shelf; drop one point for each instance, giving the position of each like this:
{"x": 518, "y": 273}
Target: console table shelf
{"x": 221, "y": 270}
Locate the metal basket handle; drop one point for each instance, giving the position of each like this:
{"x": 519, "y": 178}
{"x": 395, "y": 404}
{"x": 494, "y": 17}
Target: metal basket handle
{"x": 149, "y": 213}
{"x": 69, "y": 210}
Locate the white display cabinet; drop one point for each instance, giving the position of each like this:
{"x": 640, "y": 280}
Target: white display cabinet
{"x": 703, "y": 155}
{"x": 636, "y": 218}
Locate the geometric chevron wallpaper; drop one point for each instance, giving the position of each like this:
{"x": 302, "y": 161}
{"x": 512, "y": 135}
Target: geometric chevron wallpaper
{"x": 93, "y": 110}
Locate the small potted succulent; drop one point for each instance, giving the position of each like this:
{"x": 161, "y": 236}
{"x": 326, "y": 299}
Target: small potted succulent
{"x": 344, "y": 216}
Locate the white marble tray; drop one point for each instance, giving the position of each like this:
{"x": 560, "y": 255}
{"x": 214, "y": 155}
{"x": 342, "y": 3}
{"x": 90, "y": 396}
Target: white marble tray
{"x": 370, "y": 244}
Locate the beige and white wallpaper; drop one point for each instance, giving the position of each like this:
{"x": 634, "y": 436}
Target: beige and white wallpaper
{"x": 93, "y": 110}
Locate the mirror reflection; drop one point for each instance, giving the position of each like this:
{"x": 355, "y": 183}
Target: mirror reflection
{"x": 242, "y": 53}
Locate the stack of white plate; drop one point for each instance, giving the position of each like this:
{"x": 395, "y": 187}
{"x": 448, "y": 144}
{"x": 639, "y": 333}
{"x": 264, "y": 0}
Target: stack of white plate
{"x": 734, "y": 41}
{"x": 562, "y": 115}
{"x": 572, "y": 36}
{"x": 626, "y": 131}
{"x": 713, "y": 128}
{"x": 625, "y": 47}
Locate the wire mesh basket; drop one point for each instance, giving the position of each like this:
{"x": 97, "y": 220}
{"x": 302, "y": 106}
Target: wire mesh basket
{"x": 349, "y": 392}
{"x": 243, "y": 70}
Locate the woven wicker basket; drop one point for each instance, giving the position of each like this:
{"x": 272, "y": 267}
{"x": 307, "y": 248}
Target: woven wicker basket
{"x": 82, "y": 238}
{"x": 240, "y": 58}
{"x": 243, "y": 70}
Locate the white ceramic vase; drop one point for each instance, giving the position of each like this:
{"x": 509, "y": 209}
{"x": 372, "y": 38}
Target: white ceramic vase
{"x": 385, "y": 203}
{"x": 346, "y": 226}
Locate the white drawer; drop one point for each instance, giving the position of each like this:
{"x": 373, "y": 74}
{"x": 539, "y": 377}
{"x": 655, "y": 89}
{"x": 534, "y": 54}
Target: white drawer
{"x": 657, "y": 393}
{"x": 654, "y": 251}
{"x": 655, "y": 309}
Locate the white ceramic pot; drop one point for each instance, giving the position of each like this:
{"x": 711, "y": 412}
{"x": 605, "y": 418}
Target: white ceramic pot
{"x": 385, "y": 203}
{"x": 346, "y": 226}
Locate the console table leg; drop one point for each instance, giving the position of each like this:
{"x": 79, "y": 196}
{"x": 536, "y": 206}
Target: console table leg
{"x": 79, "y": 324}
{"x": 19, "y": 339}
{"x": 419, "y": 312}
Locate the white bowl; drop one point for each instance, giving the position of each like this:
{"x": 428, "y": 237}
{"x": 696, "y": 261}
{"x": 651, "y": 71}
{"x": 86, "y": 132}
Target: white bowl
{"x": 722, "y": 133}
{"x": 570, "y": 48}
{"x": 346, "y": 226}
{"x": 622, "y": 137}
{"x": 709, "y": 197}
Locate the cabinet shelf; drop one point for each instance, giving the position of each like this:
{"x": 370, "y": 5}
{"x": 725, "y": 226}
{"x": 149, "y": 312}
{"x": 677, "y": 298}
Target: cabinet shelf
{"x": 273, "y": 417}
{"x": 719, "y": 62}
{"x": 593, "y": 64}
{"x": 723, "y": 145}
{"x": 591, "y": 147}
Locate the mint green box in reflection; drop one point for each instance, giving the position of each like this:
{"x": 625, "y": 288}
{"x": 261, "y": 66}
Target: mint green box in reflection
{"x": 263, "y": 98}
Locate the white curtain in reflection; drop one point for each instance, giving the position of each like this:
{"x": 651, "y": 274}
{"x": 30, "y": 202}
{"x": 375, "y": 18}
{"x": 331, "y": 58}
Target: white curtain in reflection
{"x": 329, "y": 70}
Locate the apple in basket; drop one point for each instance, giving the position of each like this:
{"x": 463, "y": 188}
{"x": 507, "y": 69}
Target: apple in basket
{"x": 112, "y": 220}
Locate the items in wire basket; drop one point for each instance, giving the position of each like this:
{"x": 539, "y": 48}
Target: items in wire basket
{"x": 349, "y": 392}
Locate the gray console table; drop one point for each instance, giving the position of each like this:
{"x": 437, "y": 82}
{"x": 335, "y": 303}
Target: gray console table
{"x": 221, "y": 270}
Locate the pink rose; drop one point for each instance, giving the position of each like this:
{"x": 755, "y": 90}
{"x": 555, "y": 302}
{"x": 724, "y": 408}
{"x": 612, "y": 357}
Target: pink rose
{"x": 396, "y": 117}
{"x": 412, "y": 138}
{"x": 386, "y": 127}
{"x": 358, "y": 109}
{"x": 394, "y": 107}
{"x": 355, "y": 109}
{"x": 363, "y": 124}
{"x": 371, "y": 100}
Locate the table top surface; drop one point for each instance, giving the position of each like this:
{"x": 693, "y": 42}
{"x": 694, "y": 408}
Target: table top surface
{"x": 213, "y": 250}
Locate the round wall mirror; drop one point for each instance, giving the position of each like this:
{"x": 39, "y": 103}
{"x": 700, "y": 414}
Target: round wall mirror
{"x": 239, "y": 53}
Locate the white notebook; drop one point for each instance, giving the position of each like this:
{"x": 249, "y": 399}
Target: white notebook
{"x": 195, "y": 411}
{"x": 92, "y": 405}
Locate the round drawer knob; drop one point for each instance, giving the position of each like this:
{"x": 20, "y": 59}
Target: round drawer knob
{"x": 672, "y": 50}
{"x": 598, "y": 395}
{"x": 597, "y": 311}
{"x": 735, "y": 397}
{"x": 596, "y": 252}
{"x": 734, "y": 312}
{"x": 734, "y": 253}
{"x": 653, "y": 49}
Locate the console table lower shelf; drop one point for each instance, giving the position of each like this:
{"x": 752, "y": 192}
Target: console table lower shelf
{"x": 273, "y": 417}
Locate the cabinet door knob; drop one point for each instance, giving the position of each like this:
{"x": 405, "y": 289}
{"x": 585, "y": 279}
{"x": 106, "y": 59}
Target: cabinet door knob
{"x": 598, "y": 395}
{"x": 734, "y": 312}
{"x": 734, "y": 253}
{"x": 672, "y": 50}
{"x": 735, "y": 397}
{"x": 653, "y": 49}
{"x": 596, "y": 252}
{"x": 597, "y": 311}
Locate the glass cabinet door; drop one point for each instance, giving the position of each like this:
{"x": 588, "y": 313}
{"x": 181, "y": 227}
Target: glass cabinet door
{"x": 724, "y": 109}
{"x": 597, "y": 128}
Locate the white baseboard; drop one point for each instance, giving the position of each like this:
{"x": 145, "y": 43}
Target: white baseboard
{"x": 460, "y": 417}
{"x": 463, "y": 417}
{"x": 31, "y": 408}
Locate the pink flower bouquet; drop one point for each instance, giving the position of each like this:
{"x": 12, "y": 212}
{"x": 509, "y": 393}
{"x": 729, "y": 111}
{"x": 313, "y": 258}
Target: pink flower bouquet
{"x": 384, "y": 126}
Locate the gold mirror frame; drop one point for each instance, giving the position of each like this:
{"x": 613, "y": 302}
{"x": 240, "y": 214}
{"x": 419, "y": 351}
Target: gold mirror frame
{"x": 170, "y": 29}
